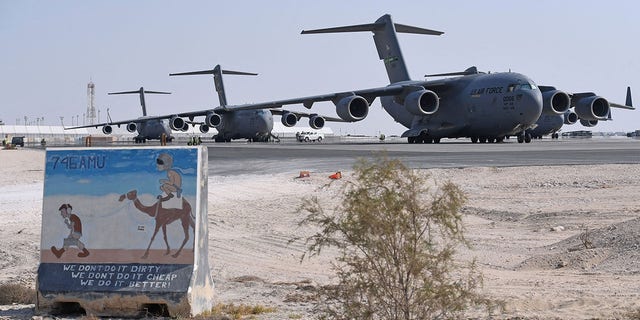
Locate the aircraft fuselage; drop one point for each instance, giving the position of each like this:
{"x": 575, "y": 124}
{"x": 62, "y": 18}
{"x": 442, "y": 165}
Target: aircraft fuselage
{"x": 479, "y": 105}
{"x": 245, "y": 124}
{"x": 152, "y": 129}
{"x": 547, "y": 124}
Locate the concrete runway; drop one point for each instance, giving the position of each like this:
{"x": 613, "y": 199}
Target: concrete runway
{"x": 258, "y": 158}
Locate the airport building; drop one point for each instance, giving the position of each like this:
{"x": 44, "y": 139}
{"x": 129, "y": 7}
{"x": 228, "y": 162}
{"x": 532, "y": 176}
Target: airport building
{"x": 57, "y": 135}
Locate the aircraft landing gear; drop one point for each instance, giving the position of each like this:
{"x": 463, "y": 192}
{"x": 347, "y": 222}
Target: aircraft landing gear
{"x": 525, "y": 137}
{"x": 423, "y": 138}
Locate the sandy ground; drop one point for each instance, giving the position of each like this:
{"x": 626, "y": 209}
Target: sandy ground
{"x": 523, "y": 223}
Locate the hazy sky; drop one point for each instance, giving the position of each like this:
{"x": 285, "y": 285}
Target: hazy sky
{"x": 52, "y": 49}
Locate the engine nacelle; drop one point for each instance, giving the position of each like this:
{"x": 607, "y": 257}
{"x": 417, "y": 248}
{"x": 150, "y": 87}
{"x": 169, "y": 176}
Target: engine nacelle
{"x": 289, "y": 119}
{"x": 132, "y": 127}
{"x": 176, "y": 123}
{"x": 588, "y": 123}
{"x": 555, "y": 102}
{"x": 422, "y": 102}
{"x": 570, "y": 117}
{"x": 352, "y": 108}
{"x": 204, "y": 128}
{"x": 185, "y": 127}
{"x": 213, "y": 120}
{"x": 107, "y": 129}
{"x": 592, "y": 108}
{"x": 316, "y": 122}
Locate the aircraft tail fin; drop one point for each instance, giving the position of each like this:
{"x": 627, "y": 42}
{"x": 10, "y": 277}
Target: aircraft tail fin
{"x": 628, "y": 102}
{"x": 217, "y": 73}
{"x": 141, "y": 92}
{"x": 384, "y": 36}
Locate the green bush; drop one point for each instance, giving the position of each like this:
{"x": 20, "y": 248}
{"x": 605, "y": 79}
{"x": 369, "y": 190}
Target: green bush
{"x": 396, "y": 239}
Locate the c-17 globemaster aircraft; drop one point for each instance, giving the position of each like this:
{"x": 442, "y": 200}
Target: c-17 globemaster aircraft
{"x": 255, "y": 125}
{"x": 148, "y": 127}
{"x": 483, "y": 107}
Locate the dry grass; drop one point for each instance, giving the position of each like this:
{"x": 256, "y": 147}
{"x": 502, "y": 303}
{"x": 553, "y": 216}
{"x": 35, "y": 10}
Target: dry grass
{"x": 16, "y": 293}
{"x": 231, "y": 311}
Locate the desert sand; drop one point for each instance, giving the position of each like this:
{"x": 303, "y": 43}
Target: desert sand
{"x": 523, "y": 224}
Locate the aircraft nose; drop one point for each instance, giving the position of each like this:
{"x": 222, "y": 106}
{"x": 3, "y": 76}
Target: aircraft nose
{"x": 530, "y": 106}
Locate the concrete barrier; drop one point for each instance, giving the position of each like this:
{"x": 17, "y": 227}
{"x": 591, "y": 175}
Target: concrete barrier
{"x": 124, "y": 232}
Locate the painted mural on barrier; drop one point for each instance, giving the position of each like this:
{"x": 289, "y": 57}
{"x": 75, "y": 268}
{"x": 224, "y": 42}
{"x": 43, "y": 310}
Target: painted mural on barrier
{"x": 119, "y": 219}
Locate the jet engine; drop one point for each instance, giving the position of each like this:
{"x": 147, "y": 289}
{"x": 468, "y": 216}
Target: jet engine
{"x": 213, "y": 120}
{"x": 422, "y": 102}
{"x": 570, "y": 117}
{"x": 185, "y": 127}
{"x": 352, "y": 108}
{"x": 176, "y": 123}
{"x": 555, "y": 102}
{"x": 592, "y": 108}
{"x": 132, "y": 126}
{"x": 289, "y": 119}
{"x": 316, "y": 122}
{"x": 588, "y": 123}
{"x": 107, "y": 129}
{"x": 204, "y": 128}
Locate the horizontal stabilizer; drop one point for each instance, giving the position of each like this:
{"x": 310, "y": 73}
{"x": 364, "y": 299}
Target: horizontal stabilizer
{"x": 373, "y": 27}
{"x": 213, "y": 72}
{"x": 139, "y": 91}
{"x": 416, "y": 30}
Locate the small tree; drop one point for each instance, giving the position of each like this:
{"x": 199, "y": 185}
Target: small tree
{"x": 396, "y": 240}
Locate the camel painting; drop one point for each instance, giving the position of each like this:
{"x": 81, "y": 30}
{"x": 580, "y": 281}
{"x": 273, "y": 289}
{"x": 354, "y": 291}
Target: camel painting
{"x": 164, "y": 217}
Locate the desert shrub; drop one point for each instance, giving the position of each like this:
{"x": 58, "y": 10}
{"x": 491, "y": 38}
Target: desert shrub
{"x": 396, "y": 239}
{"x": 16, "y": 293}
{"x": 219, "y": 311}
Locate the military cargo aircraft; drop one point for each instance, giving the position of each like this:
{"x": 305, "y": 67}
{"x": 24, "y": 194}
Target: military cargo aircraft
{"x": 485, "y": 107}
{"x": 254, "y": 124}
{"x": 148, "y": 127}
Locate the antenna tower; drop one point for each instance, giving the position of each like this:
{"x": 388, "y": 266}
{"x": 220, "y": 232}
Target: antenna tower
{"x": 91, "y": 109}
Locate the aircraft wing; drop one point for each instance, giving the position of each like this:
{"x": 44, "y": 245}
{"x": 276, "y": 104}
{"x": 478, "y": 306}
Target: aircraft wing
{"x": 304, "y": 114}
{"x": 96, "y": 125}
{"x": 369, "y": 94}
{"x": 628, "y": 104}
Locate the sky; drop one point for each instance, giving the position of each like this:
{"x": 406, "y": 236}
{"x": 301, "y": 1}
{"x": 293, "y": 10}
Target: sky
{"x": 51, "y": 50}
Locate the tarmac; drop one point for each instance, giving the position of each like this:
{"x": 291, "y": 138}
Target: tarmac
{"x": 236, "y": 158}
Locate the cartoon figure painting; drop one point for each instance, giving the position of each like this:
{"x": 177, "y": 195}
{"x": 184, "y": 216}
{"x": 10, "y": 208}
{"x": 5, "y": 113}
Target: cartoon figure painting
{"x": 179, "y": 209}
{"x": 172, "y": 186}
{"x": 75, "y": 226}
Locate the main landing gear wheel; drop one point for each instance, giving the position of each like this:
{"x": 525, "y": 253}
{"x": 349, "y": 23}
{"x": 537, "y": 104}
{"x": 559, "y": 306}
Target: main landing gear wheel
{"x": 526, "y": 138}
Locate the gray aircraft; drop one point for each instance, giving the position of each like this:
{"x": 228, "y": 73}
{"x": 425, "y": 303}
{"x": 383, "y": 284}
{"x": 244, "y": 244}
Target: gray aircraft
{"x": 254, "y": 124}
{"x": 550, "y": 124}
{"x": 481, "y": 106}
{"x": 148, "y": 127}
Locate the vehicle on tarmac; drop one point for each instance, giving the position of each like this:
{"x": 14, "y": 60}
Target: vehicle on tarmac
{"x": 309, "y": 136}
{"x": 17, "y": 141}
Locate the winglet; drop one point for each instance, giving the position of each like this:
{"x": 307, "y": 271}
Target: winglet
{"x": 629, "y": 103}
{"x": 217, "y": 73}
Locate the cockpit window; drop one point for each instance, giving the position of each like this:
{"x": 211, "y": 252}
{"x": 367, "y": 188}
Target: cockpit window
{"x": 524, "y": 86}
